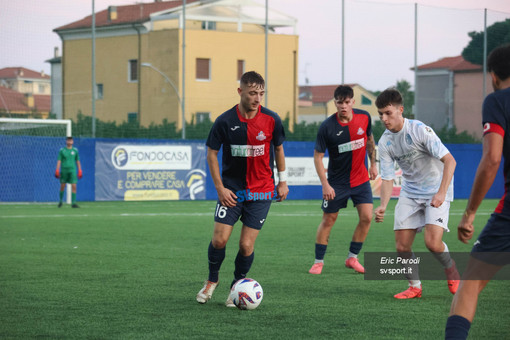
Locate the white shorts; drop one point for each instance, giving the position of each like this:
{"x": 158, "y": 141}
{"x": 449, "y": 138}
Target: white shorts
{"x": 415, "y": 213}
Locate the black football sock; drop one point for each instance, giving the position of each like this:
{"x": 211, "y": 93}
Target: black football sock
{"x": 242, "y": 266}
{"x": 216, "y": 257}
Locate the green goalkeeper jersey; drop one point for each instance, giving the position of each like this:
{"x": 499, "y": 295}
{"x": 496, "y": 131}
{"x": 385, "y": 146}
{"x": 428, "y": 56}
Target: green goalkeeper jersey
{"x": 68, "y": 158}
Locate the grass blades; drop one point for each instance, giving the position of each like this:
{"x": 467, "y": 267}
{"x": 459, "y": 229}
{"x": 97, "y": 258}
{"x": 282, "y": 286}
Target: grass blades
{"x": 131, "y": 270}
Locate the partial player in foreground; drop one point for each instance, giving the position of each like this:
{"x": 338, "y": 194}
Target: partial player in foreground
{"x": 427, "y": 188}
{"x": 492, "y": 249}
{"x": 347, "y": 136}
{"x": 252, "y": 138}
{"x": 68, "y": 161}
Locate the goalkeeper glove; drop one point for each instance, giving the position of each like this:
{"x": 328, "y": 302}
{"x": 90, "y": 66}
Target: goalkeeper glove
{"x": 80, "y": 174}
{"x": 57, "y": 173}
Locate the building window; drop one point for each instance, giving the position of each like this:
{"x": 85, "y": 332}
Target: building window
{"x": 240, "y": 69}
{"x": 365, "y": 100}
{"x": 203, "y": 69}
{"x": 132, "y": 117}
{"x": 209, "y": 25}
{"x": 201, "y": 117}
{"x": 41, "y": 88}
{"x": 133, "y": 70}
{"x": 99, "y": 91}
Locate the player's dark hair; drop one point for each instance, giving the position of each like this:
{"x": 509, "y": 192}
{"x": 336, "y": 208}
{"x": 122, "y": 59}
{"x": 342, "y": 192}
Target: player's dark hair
{"x": 343, "y": 92}
{"x": 390, "y": 96}
{"x": 499, "y": 62}
{"x": 252, "y": 77}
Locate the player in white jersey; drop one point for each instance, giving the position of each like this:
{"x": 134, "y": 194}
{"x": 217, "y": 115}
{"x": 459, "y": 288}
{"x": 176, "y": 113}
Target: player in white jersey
{"x": 427, "y": 187}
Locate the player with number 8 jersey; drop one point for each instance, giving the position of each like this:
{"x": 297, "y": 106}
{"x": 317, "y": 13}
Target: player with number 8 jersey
{"x": 347, "y": 137}
{"x": 252, "y": 139}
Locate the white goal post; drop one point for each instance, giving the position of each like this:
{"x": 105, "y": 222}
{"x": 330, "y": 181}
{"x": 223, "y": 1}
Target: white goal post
{"x": 20, "y": 134}
{"x": 27, "y": 122}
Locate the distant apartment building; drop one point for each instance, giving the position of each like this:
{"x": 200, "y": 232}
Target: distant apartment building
{"x": 24, "y": 93}
{"x": 450, "y": 94}
{"x": 140, "y": 61}
{"x": 56, "y": 84}
{"x": 316, "y": 102}
{"x": 25, "y": 81}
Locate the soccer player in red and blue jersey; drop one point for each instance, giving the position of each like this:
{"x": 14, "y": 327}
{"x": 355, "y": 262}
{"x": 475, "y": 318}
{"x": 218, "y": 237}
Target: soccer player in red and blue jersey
{"x": 347, "y": 136}
{"x": 494, "y": 240}
{"x": 252, "y": 138}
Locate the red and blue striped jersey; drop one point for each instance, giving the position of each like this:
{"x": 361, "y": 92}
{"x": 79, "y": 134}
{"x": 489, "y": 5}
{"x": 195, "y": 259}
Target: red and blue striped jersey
{"x": 248, "y": 148}
{"x": 496, "y": 118}
{"x": 346, "y": 145}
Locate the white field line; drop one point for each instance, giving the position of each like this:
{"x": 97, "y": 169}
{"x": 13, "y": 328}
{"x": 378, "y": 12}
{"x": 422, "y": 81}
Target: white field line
{"x": 210, "y": 213}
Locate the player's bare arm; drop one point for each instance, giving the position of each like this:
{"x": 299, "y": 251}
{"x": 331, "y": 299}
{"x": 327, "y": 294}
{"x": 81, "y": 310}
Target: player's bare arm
{"x": 226, "y": 197}
{"x": 282, "y": 190}
{"x": 372, "y": 156}
{"x": 485, "y": 174}
{"x": 386, "y": 189}
{"x": 448, "y": 170}
{"x": 328, "y": 193}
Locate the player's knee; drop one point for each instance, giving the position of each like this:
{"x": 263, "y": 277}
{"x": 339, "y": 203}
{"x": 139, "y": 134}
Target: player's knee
{"x": 364, "y": 221}
{"x": 246, "y": 248}
{"x": 403, "y": 248}
{"x": 328, "y": 220}
{"x": 219, "y": 243}
{"x": 434, "y": 246}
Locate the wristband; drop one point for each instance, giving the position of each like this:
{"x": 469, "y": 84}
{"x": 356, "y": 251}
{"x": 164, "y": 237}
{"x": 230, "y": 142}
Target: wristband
{"x": 282, "y": 176}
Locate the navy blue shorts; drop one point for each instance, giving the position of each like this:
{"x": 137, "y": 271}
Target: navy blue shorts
{"x": 494, "y": 239}
{"x": 359, "y": 195}
{"x": 252, "y": 213}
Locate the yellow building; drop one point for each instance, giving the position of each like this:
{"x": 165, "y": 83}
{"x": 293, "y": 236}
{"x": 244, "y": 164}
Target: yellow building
{"x": 139, "y": 63}
{"x": 316, "y": 102}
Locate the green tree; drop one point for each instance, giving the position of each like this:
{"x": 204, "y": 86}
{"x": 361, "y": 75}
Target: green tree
{"x": 404, "y": 87}
{"x": 497, "y": 34}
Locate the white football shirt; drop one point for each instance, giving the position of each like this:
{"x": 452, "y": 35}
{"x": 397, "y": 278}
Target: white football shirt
{"x": 417, "y": 150}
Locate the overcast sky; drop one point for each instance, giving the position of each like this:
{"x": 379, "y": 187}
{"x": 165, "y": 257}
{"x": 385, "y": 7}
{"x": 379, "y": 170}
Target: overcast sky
{"x": 379, "y": 35}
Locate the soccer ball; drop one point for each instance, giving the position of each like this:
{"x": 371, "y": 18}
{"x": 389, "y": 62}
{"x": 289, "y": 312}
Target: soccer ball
{"x": 246, "y": 294}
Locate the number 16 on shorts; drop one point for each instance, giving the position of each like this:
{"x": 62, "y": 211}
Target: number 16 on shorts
{"x": 221, "y": 211}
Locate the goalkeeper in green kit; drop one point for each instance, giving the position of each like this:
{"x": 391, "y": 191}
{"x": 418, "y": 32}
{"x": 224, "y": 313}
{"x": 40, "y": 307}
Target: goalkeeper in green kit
{"x": 68, "y": 160}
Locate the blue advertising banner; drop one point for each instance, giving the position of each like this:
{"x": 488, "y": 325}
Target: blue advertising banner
{"x": 148, "y": 172}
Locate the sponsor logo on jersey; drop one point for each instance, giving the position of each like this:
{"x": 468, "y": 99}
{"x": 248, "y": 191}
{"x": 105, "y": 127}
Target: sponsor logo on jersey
{"x": 409, "y": 140}
{"x": 486, "y": 127}
{"x": 247, "y": 150}
{"x": 261, "y": 136}
{"x": 351, "y": 146}
{"x": 338, "y": 134}
{"x": 360, "y": 131}
{"x": 429, "y": 130}
{"x": 407, "y": 157}
{"x": 235, "y": 128}
{"x": 247, "y": 195}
